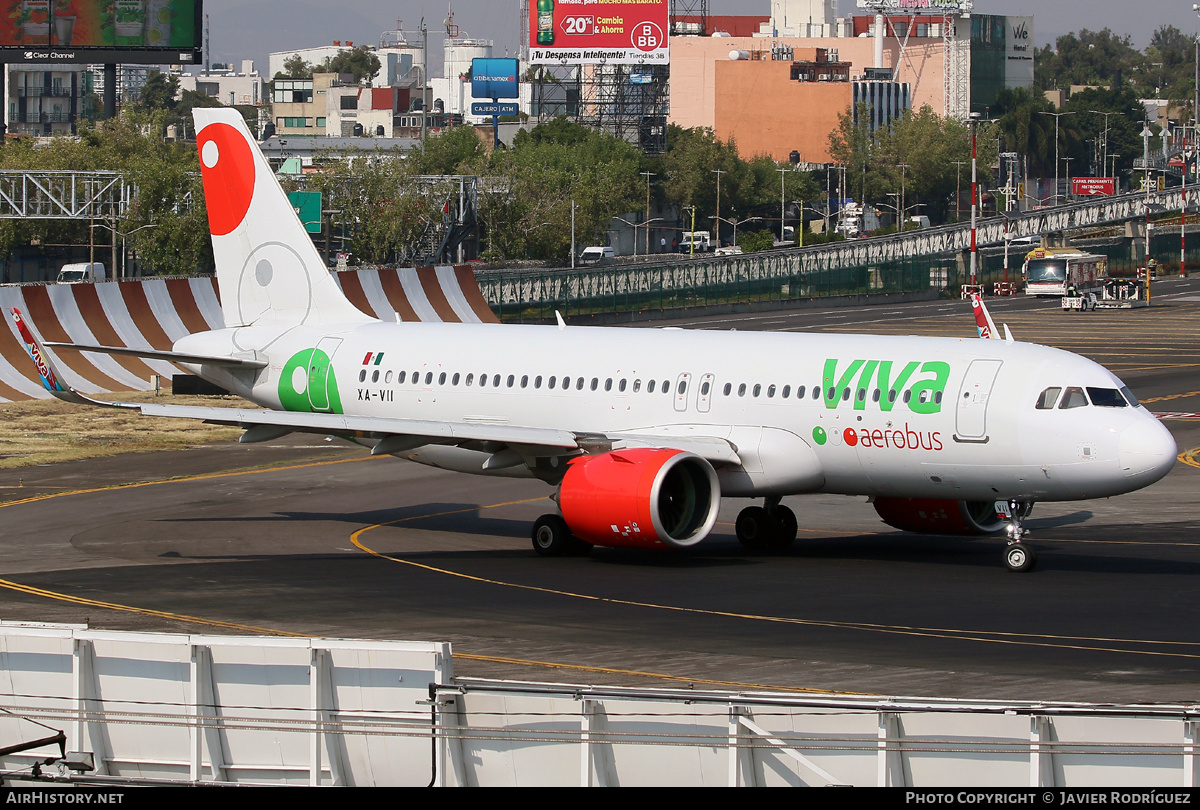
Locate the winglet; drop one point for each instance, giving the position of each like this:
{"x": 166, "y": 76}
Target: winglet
{"x": 52, "y": 381}
{"x": 983, "y": 318}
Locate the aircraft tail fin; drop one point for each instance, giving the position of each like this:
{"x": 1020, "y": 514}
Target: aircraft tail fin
{"x": 52, "y": 380}
{"x": 267, "y": 266}
{"x": 983, "y": 318}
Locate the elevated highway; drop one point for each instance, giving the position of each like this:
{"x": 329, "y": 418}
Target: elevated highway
{"x": 990, "y": 231}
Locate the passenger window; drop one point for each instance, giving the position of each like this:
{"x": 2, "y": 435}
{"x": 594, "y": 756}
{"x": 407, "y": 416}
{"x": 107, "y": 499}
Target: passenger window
{"x": 524, "y": 380}
{"x": 1073, "y": 398}
{"x": 770, "y": 391}
{"x": 579, "y": 384}
{"x": 892, "y": 395}
{"x": 862, "y": 395}
{"x": 787, "y": 392}
{"x": 608, "y": 384}
{"x": 537, "y": 381}
{"x": 511, "y": 379}
{"x": 551, "y": 383}
{"x": 442, "y": 378}
{"x": 650, "y": 386}
{"x": 666, "y": 387}
{"x": 682, "y": 386}
{"x": 429, "y": 378}
{"x": 595, "y": 382}
{"x": 400, "y": 379}
{"x": 875, "y": 396}
{"x": 907, "y": 396}
{"x": 375, "y": 376}
{"x": 845, "y": 395}
{"x": 742, "y": 390}
{"x": 387, "y": 378}
{"x": 1047, "y": 399}
{"x": 637, "y": 386}
{"x": 704, "y": 388}
{"x": 496, "y": 381}
{"x": 454, "y": 380}
{"x": 757, "y": 389}
{"x": 728, "y": 388}
{"x": 1106, "y": 397}
{"x": 362, "y": 375}
{"x": 621, "y": 386}
{"x": 470, "y": 379}
{"x": 800, "y": 392}
{"x": 483, "y": 380}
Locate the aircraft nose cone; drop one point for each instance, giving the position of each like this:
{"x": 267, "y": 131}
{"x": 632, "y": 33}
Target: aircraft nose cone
{"x": 1146, "y": 451}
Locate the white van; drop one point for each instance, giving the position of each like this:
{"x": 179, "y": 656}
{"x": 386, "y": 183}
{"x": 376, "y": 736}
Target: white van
{"x": 596, "y": 253}
{"x": 79, "y": 273}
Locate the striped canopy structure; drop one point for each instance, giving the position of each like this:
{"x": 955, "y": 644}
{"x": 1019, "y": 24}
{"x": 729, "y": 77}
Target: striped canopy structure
{"x": 153, "y": 313}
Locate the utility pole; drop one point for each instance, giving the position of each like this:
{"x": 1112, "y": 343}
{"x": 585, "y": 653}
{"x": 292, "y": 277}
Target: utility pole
{"x": 901, "y": 217}
{"x": 648, "y": 175}
{"x": 717, "y": 221}
{"x": 974, "y": 189}
{"x": 782, "y": 205}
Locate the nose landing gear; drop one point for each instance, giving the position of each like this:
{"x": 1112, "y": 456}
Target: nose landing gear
{"x": 1018, "y": 556}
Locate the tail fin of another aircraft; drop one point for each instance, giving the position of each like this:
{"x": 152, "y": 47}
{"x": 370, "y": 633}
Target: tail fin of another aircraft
{"x": 983, "y": 318}
{"x": 267, "y": 266}
{"x": 52, "y": 380}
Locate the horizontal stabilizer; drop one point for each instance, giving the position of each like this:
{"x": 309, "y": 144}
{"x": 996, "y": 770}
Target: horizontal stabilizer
{"x": 170, "y": 357}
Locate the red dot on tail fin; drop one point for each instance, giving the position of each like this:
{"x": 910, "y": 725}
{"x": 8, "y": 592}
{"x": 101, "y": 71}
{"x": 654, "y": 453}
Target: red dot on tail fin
{"x": 227, "y": 166}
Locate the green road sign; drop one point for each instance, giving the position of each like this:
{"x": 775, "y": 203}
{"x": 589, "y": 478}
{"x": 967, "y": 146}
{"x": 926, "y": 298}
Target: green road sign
{"x": 308, "y": 208}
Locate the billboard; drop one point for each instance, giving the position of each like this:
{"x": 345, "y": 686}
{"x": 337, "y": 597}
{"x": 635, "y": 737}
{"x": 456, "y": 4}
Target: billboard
{"x": 105, "y": 31}
{"x": 1092, "y": 186}
{"x": 590, "y": 32}
{"x": 494, "y": 78}
{"x": 917, "y": 6}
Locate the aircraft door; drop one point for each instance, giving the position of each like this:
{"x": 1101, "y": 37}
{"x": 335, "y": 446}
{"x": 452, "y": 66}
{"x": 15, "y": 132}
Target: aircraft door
{"x": 681, "y": 391}
{"x": 704, "y": 393}
{"x": 320, "y": 375}
{"x": 970, "y": 421}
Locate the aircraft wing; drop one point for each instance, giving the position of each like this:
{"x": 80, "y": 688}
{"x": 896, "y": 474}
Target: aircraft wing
{"x": 397, "y": 435}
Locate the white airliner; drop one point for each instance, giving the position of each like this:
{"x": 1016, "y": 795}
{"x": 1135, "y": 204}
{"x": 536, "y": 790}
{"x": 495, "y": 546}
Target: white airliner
{"x": 641, "y": 432}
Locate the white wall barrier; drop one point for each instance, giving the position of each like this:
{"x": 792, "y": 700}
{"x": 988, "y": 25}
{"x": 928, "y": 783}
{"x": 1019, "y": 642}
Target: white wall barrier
{"x": 173, "y": 708}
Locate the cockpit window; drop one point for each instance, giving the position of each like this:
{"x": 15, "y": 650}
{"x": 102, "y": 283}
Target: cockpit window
{"x": 1073, "y": 398}
{"x": 1129, "y": 397}
{"x": 1048, "y": 398}
{"x": 1106, "y": 397}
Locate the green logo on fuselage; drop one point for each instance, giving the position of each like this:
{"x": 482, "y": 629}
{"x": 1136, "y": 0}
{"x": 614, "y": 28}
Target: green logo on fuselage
{"x": 922, "y": 395}
{"x": 308, "y": 384}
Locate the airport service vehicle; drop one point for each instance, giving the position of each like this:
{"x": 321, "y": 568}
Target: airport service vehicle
{"x": 80, "y": 273}
{"x": 641, "y": 432}
{"x": 596, "y": 254}
{"x": 696, "y": 242}
{"x": 1054, "y": 271}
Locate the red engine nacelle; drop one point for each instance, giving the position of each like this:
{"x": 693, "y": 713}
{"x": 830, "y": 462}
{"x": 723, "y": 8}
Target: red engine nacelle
{"x": 640, "y": 498}
{"x": 933, "y": 516}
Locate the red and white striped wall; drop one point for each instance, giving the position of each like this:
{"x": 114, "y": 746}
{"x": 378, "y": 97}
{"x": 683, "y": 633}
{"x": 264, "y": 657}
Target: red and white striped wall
{"x": 153, "y": 313}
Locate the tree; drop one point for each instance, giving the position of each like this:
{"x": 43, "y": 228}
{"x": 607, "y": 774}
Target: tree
{"x": 294, "y": 67}
{"x": 360, "y": 61}
{"x": 159, "y": 91}
{"x": 1087, "y": 58}
{"x": 453, "y": 151}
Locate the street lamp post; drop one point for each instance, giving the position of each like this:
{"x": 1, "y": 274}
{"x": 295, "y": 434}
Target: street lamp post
{"x": 1057, "y": 115}
{"x": 902, "y": 167}
{"x": 783, "y": 205}
{"x": 718, "y": 173}
{"x": 974, "y": 191}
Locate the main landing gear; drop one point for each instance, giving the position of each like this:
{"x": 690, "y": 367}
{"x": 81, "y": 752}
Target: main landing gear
{"x": 552, "y": 537}
{"x": 771, "y": 527}
{"x": 1017, "y": 555}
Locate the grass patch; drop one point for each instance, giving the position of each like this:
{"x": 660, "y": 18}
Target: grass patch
{"x": 47, "y": 430}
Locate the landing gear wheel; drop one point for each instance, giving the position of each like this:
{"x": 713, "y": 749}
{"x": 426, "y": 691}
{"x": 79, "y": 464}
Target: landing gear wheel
{"x": 786, "y": 528}
{"x": 754, "y": 528}
{"x": 1019, "y": 557}
{"x": 552, "y": 537}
